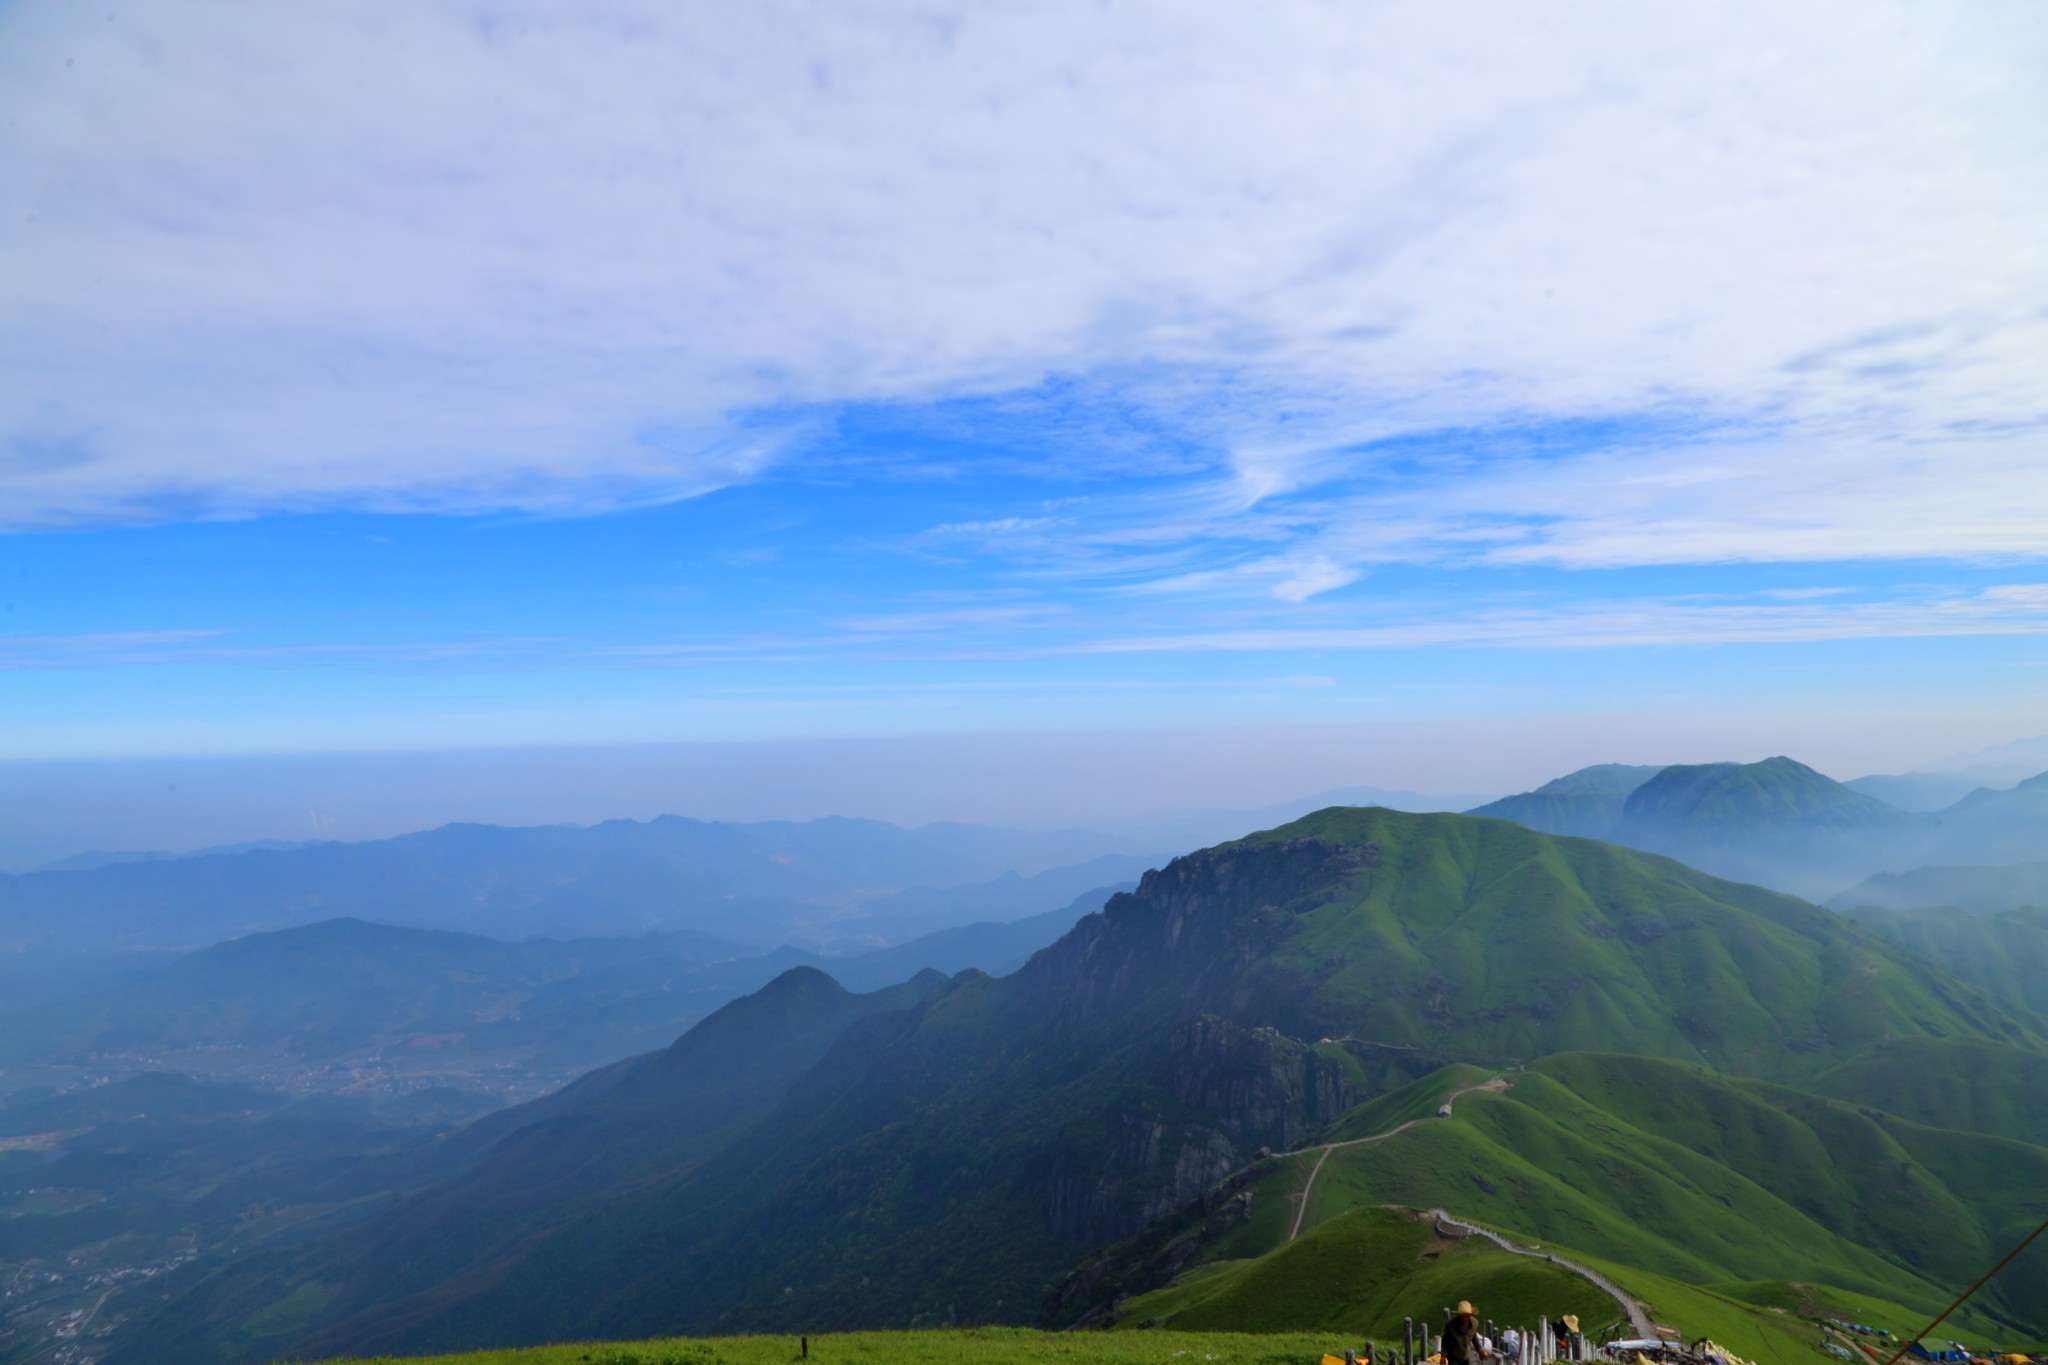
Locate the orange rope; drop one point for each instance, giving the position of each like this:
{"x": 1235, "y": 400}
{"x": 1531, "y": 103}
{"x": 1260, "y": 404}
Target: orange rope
{"x": 1981, "y": 1282}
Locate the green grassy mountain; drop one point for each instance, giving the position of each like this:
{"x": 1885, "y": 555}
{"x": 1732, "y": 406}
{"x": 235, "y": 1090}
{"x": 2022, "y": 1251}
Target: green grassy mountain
{"x": 952, "y": 1160}
{"x": 1359, "y": 1274}
{"x": 1663, "y": 1166}
{"x": 1587, "y": 803}
{"x": 1968, "y": 1083}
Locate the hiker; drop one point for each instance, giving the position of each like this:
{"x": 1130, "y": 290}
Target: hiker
{"x": 1511, "y": 1345}
{"x": 1461, "y": 1336}
{"x": 1566, "y": 1330}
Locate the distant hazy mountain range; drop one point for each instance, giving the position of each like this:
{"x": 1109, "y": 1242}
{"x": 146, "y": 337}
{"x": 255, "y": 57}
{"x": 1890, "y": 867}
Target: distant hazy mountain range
{"x": 97, "y": 857}
{"x": 464, "y": 1011}
{"x": 1709, "y": 1080}
{"x": 1782, "y": 824}
{"x": 832, "y": 885}
{"x": 1986, "y": 890}
{"x": 820, "y": 883}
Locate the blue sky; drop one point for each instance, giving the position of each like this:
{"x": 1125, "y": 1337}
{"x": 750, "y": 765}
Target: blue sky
{"x": 469, "y": 375}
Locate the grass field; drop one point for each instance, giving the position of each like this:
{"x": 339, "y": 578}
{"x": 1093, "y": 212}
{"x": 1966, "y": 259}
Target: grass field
{"x": 974, "y": 1346}
{"x": 1359, "y": 1275}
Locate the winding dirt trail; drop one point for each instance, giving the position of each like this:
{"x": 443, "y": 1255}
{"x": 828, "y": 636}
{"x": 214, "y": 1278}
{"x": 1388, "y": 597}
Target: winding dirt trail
{"x": 1495, "y": 1084}
{"x": 1639, "y": 1320}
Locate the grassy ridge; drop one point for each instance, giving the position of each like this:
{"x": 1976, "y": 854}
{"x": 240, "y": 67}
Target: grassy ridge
{"x": 1362, "y": 1273}
{"x": 1702, "y": 1179}
{"x": 1479, "y": 938}
{"x": 1684, "y": 1174}
{"x": 1963, "y": 1083}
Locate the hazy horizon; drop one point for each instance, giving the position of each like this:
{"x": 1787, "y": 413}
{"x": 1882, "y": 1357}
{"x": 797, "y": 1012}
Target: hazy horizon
{"x": 1121, "y": 782}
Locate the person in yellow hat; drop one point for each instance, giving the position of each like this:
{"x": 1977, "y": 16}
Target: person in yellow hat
{"x": 1461, "y": 1336}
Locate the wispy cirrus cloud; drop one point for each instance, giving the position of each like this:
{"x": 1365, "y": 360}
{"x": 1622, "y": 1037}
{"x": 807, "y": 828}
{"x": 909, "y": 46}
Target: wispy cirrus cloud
{"x": 459, "y": 257}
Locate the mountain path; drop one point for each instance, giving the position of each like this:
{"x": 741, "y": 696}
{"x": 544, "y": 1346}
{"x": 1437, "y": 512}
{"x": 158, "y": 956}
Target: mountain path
{"x": 1495, "y": 1084}
{"x": 1639, "y": 1320}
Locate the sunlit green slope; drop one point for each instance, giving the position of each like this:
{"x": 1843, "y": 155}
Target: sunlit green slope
{"x": 1667, "y": 1168}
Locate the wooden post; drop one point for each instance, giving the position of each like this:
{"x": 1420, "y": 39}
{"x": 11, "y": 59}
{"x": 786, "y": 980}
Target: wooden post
{"x": 1407, "y": 1341}
{"x": 807, "y": 1346}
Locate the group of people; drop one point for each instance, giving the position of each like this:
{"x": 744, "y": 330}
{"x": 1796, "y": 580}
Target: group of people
{"x": 1465, "y": 1344}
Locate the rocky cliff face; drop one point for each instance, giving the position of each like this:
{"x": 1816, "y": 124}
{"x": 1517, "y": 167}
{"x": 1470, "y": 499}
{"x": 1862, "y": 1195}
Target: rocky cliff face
{"x": 1193, "y": 926}
{"x": 1220, "y": 1090}
{"x": 1225, "y": 1093}
{"x": 1263, "y": 1088}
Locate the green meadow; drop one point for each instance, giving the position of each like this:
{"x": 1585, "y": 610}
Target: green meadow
{"x": 971, "y": 1346}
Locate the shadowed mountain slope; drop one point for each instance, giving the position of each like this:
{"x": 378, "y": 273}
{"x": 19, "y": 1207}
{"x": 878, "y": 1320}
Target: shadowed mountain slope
{"x": 617, "y": 1126}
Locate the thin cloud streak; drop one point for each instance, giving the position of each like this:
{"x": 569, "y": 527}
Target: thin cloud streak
{"x": 969, "y": 635}
{"x": 2015, "y": 610}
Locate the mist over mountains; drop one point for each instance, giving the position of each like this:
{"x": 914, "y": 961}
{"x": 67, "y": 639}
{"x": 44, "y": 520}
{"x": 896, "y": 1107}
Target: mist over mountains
{"x": 486, "y": 1085}
{"x": 954, "y": 1153}
{"x": 1780, "y": 823}
{"x": 756, "y": 885}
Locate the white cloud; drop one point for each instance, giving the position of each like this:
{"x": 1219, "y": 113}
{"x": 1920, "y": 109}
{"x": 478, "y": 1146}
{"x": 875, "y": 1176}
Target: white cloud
{"x": 1316, "y": 576}
{"x": 469, "y": 256}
